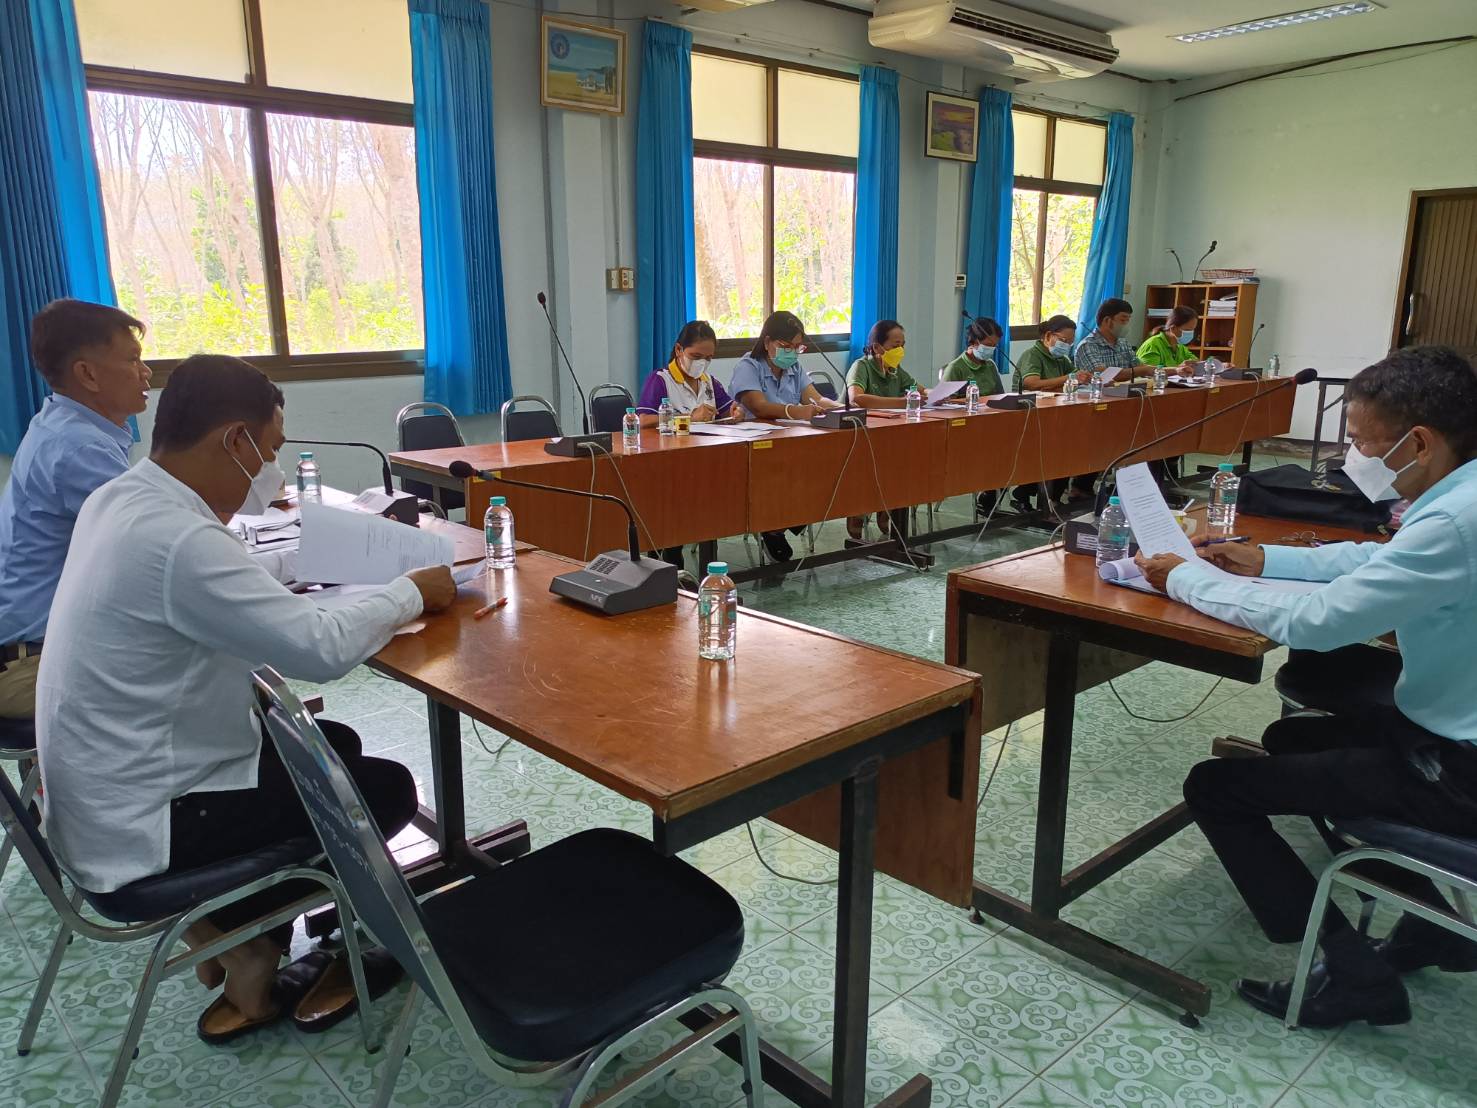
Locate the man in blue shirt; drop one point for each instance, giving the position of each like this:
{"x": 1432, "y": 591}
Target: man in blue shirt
{"x": 89, "y": 355}
{"x": 1413, "y": 421}
{"x": 1109, "y": 347}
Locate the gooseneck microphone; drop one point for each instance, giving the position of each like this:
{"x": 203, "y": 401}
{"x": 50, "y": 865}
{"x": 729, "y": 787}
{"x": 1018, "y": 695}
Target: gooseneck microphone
{"x": 1302, "y": 377}
{"x": 391, "y": 504}
{"x": 614, "y": 582}
{"x": 1213, "y": 244}
{"x": 543, "y": 302}
{"x": 844, "y": 416}
{"x": 1178, "y": 265}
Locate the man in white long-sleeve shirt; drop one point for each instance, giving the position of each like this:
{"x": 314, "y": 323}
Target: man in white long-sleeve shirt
{"x": 1413, "y": 422}
{"x": 150, "y": 757}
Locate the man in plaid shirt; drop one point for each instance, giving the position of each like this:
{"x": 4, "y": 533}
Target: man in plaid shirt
{"x": 1109, "y": 345}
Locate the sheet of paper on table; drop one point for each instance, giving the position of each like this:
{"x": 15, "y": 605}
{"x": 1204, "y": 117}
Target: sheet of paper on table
{"x": 356, "y": 548}
{"x": 940, "y": 392}
{"x": 748, "y": 430}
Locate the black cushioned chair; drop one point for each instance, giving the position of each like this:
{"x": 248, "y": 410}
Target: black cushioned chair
{"x": 1347, "y": 681}
{"x": 608, "y": 404}
{"x": 535, "y": 986}
{"x": 425, "y": 425}
{"x": 18, "y": 744}
{"x": 536, "y": 420}
{"x": 165, "y": 906}
{"x": 825, "y": 384}
{"x": 1444, "y": 859}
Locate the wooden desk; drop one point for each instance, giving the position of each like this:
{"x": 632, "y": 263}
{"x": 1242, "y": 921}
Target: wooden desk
{"x": 709, "y": 746}
{"x": 1042, "y": 627}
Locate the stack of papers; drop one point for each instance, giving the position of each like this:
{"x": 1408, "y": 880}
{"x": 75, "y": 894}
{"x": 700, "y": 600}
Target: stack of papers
{"x": 748, "y": 430}
{"x": 356, "y": 548}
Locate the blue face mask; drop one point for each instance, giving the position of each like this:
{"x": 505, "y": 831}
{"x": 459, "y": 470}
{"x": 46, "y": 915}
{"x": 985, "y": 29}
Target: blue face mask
{"x": 982, "y": 353}
{"x": 785, "y": 359}
{"x": 1187, "y": 337}
{"x": 1060, "y": 349}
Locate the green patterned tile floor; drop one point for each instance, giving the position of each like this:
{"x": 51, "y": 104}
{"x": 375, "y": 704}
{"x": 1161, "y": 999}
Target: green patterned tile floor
{"x": 994, "y": 1017}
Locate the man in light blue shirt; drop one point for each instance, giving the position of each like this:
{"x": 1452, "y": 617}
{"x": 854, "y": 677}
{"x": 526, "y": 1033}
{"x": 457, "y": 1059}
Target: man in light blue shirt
{"x": 90, "y": 356}
{"x": 1413, "y": 421}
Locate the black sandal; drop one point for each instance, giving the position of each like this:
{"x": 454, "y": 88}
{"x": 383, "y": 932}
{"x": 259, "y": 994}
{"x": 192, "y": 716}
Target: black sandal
{"x": 222, "y": 1023}
{"x": 331, "y": 1000}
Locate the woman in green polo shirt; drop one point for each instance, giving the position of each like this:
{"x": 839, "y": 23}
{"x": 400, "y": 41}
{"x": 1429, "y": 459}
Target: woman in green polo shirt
{"x": 877, "y": 379}
{"x": 1169, "y": 345}
{"x": 1046, "y": 366}
{"x": 979, "y": 362}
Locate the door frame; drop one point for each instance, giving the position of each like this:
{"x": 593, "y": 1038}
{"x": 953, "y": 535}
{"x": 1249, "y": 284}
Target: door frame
{"x": 1408, "y": 250}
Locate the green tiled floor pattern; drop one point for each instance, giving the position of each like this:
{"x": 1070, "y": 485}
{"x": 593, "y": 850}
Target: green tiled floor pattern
{"x": 990, "y": 1015}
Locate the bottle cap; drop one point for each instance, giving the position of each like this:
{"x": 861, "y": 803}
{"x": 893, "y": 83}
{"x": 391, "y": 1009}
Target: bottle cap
{"x": 498, "y": 502}
{"x": 718, "y": 567}
{"x": 630, "y": 411}
{"x": 1113, "y": 500}
{"x": 1227, "y": 467}
{"x": 306, "y": 455}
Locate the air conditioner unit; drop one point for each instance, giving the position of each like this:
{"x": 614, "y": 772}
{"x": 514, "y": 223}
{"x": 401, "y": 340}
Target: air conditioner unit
{"x": 984, "y": 34}
{"x": 720, "y": 5}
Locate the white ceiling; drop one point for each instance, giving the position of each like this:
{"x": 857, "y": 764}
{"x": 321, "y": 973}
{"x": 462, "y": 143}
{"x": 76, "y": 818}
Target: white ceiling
{"x": 1141, "y": 30}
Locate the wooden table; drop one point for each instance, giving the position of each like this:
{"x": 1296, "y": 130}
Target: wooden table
{"x": 1042, "y": 627}
{"x": 625, "y": 701}
{"x": 700, "y": 488}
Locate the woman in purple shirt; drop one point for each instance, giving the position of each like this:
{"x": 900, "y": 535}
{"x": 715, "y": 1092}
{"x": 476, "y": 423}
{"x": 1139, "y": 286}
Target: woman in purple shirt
{"x": 685, "y": 380}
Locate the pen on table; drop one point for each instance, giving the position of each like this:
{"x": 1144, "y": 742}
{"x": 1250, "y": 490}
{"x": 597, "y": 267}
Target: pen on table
{"x": 494, "y": 606}
{"x": 1228, "y": 538}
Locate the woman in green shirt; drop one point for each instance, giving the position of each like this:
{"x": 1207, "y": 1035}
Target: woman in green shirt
{"x": 1169, "y": 345}
{"x": 977, "y": 363}
{"x": 877, "y": 379}
{"x": 1046, "y": 366}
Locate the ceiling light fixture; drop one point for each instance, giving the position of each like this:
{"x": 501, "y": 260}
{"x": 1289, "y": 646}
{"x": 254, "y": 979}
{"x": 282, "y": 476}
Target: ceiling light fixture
{"x": 1291, "y": 19}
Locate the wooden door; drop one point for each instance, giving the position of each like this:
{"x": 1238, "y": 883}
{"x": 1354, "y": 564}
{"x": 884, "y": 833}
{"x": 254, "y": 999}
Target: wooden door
{"x": 1438, "y": 277}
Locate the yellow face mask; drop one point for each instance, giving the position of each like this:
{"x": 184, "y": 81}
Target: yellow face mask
{"x": 893, "y": 358}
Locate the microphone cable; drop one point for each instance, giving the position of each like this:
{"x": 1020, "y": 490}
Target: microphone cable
{"x": 856, "y": 431}
{"x": 749, "y": 827}
{"x": 999, "y": 755}
{"x": 882, "y": 499}
{"x": 631, "y": 500}
{"x": 1009, "y": 481}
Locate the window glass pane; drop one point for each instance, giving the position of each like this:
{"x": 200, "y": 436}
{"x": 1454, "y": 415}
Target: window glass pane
{"x": 812, "y": 247}
{"x": 1030, "y": 144}
{"x": 819, "y": 114}
{"x": 729, "y": 101}
{"x": 1064, "y": 263}
{"x": 349, "y": 47}
{"x": 202, "y": 38}
{"x": 348, "y": 222}
{"x": 183, "y": 236}
{"x": 1024, "y": 222}
{"x": 1078, "y": 153}
{"x": 728, "y": 204}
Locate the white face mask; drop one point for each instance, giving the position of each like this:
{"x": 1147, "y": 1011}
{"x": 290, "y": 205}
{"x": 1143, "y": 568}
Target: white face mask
{"x": 696, "y": 367}
{"x": 1371, "y": 475}
{"x": 264, "y": 486}
{"x": 981, "y": 352}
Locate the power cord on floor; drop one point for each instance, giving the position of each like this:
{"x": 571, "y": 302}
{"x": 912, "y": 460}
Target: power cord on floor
{"x": 999, "y": 755}
{"x": 495, "y": 753}
{"x": 1009, "y": 481}
{"x": 897, "y": 533}
{"x": 1171, "y": 719}
{"x": 749, "y": 827}
{"x": 835, "y": 491}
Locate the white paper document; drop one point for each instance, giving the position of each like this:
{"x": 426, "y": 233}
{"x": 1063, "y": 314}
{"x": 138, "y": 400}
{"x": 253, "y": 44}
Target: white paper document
{"x": 940, "y": 392}
{"x": 1154, "y": 527}
{"x": 748, "y": 430}
{"x": 356, "y": 548}
{"x": 1110, "y": 374}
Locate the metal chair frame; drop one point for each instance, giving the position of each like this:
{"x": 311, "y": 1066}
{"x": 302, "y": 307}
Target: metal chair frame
{"x": 290, "y": 723}
{"x": 826, "y": 376}
{"x": 30, "y": 782}
{"x": 1372, "y": 893}
{"x": 170, "y": 932}
{"x": 527, "y": 398}
{"x": 437, "y": 495}
{"x": 608, "y": 386}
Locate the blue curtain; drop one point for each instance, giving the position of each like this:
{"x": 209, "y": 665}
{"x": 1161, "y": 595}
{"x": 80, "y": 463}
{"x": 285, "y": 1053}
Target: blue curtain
{"x": 987, "y": 256}
{"x": 52, "y": 241}
{"x": 461, "y": 249}
{"x": 874, "y": 261}
{"x": 666, "y": 271}
{"x": 1108, "y": 253}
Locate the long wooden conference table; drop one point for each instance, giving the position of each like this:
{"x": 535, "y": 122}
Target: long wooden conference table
{"x": 698, "y": 488}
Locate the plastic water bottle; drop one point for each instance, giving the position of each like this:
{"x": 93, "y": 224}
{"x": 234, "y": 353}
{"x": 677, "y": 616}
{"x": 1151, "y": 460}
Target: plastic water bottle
{"x": 1213, "y": 368}
{"x": 717, "y": 614}
{"x": 914, "y": 404}
{"x": 1223, "y": 489}
{"x": 1161, "y": 378}
{"x": 1112, "y": 533}
{"x": 631, "y": 431}
{"x": 1069, "y": 388}
{"x": 666, "y": 423}
{"x": 971, "y": 399}
{"x": 309, "y": 480}
{"x": 1095, "y": 389}
{"x": 497, "y": 529}
{"x": 1274, "y": 366}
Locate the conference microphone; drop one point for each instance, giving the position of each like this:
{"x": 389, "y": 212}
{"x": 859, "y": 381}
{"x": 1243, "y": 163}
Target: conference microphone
{"x": 1252, "y": 343}
{"x": 844, "y": 416}
{"x": 391, "y": 504}
{"x": 614, "y": 582}
{"x": 1213, "y": 244}
{"x": 570, "y": 446}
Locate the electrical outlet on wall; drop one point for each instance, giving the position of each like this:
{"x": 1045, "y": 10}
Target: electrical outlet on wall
{"x": 960, "y": 280}
{"x": 620, "y": 279}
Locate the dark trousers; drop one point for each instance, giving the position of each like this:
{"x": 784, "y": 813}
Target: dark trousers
{"x": 209, "y": 827}
{"x": 1375, "y": 764}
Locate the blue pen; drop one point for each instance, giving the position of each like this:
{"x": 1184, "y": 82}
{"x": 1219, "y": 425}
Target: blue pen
{"x": 1228, "y": 538}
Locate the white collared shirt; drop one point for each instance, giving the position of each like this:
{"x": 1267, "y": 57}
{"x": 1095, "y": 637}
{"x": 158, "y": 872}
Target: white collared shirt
{"x": 144, "y": 689}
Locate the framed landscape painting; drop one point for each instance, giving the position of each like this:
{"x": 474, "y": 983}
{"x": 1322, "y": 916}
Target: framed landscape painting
{"x": 953, "y": 129}
{"x": 584, "y": 67}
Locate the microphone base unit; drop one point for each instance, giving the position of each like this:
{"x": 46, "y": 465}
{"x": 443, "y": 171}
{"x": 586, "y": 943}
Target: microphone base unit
{"x": 403, "y": 506}
{"x": 1079, "y": 536}
{"x": 614, "y": 583}
{"x": 579, "y": 446}
{"x": 1011, "y": 401}
{"x": 837, "y": 418}
{"x": 1123, "y": 392}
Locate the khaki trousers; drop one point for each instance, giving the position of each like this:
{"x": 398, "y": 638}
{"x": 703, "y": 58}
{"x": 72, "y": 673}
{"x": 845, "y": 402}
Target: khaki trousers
{"x": 18, "y": 688}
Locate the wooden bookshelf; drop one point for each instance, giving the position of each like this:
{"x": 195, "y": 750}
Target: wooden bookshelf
{"x": 1227, "y": 338}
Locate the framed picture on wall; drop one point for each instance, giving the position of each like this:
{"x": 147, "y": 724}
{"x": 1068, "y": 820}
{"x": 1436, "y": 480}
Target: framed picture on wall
{"x": 584, "y": 67}
{"x": 953, "y": 128}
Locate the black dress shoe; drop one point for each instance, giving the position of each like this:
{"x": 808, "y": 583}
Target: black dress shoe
{"x": 1328, "y": 1002}
{"x": 779, "y": 549}
{"x": 1405, "y": 951}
